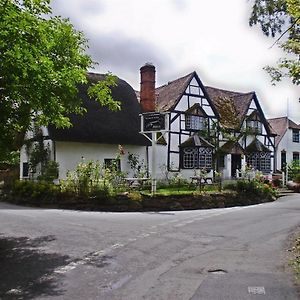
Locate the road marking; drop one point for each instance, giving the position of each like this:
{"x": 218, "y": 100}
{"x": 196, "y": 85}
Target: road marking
{"x": 256, "y": 290}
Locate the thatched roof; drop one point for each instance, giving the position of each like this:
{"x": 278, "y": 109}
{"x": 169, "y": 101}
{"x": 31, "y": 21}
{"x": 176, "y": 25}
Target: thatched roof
{"x": 99, "y": 124}
{"x": 280, "y": 126}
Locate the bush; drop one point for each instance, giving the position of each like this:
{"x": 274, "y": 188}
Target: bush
{"x": 297, "y": 178}
{"x": 86, "y": 180}
{"x": 293, "y": 169}
{"x": 260, "y": 188}
{"x": 50, "y": 171}
{"x": 31, "y": 191}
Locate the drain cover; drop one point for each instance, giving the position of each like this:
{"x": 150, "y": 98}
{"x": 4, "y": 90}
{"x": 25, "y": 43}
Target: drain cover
{"x": 217, "y": 271}
{"x": 256, "y": 290}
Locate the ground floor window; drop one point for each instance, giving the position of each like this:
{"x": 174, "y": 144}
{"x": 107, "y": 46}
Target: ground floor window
{"x": 283, "y": 159}
{"x": 259, "y": 161}
{"x": 295, "y": 156}
{"x": 112, "y": 164}
{"x": 196, "y": 158}
{"x": 25, "y": 169}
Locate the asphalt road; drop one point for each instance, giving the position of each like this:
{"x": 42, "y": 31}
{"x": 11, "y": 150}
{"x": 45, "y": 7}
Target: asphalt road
{"x": 232, "y": 253}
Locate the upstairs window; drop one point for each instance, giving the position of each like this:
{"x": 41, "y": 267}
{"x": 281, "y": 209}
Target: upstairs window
{"x": 193, "y": 122}
{"x": 195, "y": 118}
{"x": 295, "y": 136}
{"x": 254, "y": 125}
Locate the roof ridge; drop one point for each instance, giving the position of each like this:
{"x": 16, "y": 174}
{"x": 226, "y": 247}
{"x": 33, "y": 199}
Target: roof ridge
{"x": 177, "y": 79}
{"x": 235, "y": 92}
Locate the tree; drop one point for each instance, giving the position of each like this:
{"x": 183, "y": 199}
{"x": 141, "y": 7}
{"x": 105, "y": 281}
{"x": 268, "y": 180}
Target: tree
{"x": 43, "y": 60}
{"x": 281, "y": 18}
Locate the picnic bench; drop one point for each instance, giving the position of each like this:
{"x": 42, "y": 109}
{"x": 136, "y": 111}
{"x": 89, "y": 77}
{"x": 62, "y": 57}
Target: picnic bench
{"x": 201, "y": 180}
{"x": 136, "y": 182}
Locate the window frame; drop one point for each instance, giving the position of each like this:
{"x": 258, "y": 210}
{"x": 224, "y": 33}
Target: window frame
{"x": 108, "y": 162}
{"x": 254, "y": 125}
{"x": 295, "y": 136}
{"x": 296, "y": 156}
{"x": 260, "y": 161}
{"x": 202, "y": 121}
{"x": 199, "y": 157}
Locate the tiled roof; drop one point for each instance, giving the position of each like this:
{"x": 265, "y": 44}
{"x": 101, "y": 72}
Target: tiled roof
{"x": 232, "y": 106}
{"x": 168, "y": 95}
{"x": 196, "y": 140}
{"x": 280, "y": 125}
{"x": 257, "y": 146}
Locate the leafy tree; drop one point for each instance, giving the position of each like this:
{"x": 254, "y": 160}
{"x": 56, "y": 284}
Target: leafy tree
{"x": 281, "y": 18}
{"x": 43, "y": 60}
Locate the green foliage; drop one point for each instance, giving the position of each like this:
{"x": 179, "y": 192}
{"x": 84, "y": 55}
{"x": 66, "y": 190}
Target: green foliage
{"x": 177, "y": 181}
{"x": 10, "y": 159}
{"x": 86, "y": 180}
{"x": 296, "y": 261}
{"x": 43, "y": 60}
{"x": 257, "y": 187}
{"x": 293, "y": 169}
{"x": 35, "y": 191}
{"x": 297, "y": 178}
{"x": 281, "y": 17}
{"x": 50, "y": 171}
{"x": 137, "y": 165}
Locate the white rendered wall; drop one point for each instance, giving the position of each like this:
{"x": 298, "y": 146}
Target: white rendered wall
{"x": 69, "y": 154}
{"x": 288, "y": 146}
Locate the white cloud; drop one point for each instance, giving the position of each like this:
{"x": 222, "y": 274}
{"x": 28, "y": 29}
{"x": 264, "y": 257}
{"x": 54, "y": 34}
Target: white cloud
{"x": 179, "y": 36}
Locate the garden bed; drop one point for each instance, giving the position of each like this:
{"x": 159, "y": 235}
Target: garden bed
{"x": 134, "y": 201}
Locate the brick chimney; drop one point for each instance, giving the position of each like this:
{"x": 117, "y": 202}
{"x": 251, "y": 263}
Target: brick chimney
{"x": 147, "y": 95}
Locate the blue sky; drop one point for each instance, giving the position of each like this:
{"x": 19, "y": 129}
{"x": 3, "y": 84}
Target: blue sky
{"x": 180, "y": 36}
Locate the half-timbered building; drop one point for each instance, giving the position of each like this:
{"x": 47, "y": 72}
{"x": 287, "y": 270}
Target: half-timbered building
{"x": 246, "y": 138}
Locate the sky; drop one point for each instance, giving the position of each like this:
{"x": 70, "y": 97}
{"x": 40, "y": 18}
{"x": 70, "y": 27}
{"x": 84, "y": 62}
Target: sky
{"x": 211, "y": 37}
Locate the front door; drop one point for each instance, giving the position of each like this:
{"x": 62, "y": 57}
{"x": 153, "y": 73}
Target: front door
{"x": 236, "y": 163}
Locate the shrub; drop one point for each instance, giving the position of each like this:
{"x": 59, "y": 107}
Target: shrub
{"x": 293, "y": 169}
{"x": 50, "y": 171}
{"x": 28, "y": 191}
{"x": 297, "y": 178}
{"x": 86, "y": 180}
{"x": 260, "y": 188}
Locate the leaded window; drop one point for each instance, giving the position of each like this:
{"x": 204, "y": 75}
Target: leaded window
{"x": 190, "y": 158}
{"x": 193, "y": 122}
{"x": 254, "y": 125}
{"x": 197, "y": 158}
{"x": 259, "y": 161}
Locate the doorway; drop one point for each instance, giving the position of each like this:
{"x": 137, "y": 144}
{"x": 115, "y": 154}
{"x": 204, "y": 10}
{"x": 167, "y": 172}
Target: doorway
{"x": 236, "y": 163}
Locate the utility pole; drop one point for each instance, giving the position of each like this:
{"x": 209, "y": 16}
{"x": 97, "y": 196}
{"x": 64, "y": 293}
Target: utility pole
{"x": 287, "y": 141}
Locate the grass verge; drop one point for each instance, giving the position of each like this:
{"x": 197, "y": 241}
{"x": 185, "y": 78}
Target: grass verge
{"x": 295, "y": 263}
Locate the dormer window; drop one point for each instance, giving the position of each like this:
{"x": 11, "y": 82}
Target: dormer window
{"x": 195, "y": 122}
{"x": 195, "y": 118}
{"x": 254, "y": 125}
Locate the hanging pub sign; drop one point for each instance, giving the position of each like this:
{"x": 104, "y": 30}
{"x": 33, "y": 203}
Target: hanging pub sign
{"x": 153, "y": 121}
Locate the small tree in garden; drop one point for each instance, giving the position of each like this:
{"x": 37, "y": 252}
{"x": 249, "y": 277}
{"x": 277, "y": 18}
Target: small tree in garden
{"x": 137, "y": 165}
